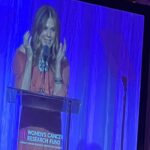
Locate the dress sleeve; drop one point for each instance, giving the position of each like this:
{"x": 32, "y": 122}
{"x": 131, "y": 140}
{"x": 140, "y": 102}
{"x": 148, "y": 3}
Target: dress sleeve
{"x": 18, "y": 67}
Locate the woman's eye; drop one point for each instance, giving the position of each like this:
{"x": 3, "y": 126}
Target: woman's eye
{"x": 53, "y": 29}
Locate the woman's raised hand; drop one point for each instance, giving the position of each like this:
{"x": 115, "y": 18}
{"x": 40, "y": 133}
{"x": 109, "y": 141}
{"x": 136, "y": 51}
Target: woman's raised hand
{"x": 61, "y": 52}
{"x": 27, "y": 44}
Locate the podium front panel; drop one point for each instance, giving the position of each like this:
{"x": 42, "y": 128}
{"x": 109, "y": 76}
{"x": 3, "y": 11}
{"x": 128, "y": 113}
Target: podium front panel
{"x": 43, "y": 120}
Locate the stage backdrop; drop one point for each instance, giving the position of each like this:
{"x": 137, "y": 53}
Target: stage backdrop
{"x": 104, "y": 49}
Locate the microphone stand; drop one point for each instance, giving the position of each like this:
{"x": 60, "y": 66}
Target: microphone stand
{"x": 45, "y": 55}
{"x": 68, "y": 124}
{"x": 124, "y": 80}
{"x": 42, "y": 89}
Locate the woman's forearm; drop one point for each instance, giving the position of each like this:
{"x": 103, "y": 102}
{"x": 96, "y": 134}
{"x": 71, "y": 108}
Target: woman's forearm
{"x": 58, "y": 80}
{"x": 26, "y": 81}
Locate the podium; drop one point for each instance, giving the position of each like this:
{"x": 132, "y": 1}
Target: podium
{"x": 43, "y": 120}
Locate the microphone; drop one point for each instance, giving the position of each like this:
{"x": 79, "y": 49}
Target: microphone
{"x": 124, "y": 81}
{"x": 46, "y": 51}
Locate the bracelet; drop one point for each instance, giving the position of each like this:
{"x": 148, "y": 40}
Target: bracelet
{"x": 58, "y": 81}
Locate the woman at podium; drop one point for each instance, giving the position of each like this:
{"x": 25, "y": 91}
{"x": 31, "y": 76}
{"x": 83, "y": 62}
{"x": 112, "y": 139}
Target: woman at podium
{"x": 40, "y": 66}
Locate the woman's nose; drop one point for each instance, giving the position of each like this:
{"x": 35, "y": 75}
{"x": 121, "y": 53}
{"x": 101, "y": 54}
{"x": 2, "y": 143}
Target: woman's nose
{"x": 49, "y": 34}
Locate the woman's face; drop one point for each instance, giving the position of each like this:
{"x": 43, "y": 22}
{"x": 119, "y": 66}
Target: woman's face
{"x": 47, "y": 36}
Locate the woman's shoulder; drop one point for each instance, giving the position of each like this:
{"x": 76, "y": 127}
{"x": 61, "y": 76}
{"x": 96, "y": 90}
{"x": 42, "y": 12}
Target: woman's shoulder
{"x": 19, "y": 56}
{"x": 20, "y": 52}
{"x": 19, "y": 60}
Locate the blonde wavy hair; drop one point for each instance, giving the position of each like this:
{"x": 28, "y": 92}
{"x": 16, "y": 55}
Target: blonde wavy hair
{"x": 38, "y": 26}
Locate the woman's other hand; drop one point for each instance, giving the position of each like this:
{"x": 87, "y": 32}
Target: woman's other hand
{"x": 61, "y": 52}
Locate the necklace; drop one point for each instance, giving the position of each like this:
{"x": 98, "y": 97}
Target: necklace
{"x": 43, "y": 65}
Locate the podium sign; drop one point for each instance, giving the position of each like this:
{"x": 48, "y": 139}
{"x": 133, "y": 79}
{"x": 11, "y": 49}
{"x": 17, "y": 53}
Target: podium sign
{"x": 44, "y": 121}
